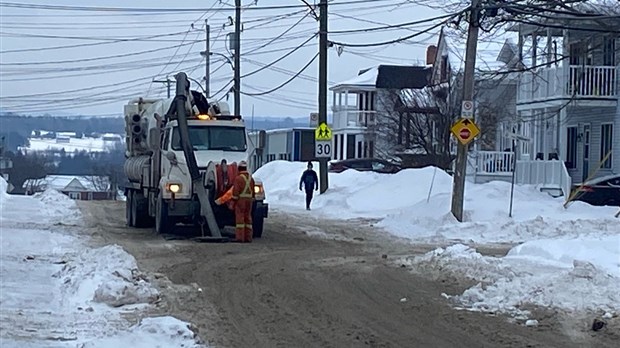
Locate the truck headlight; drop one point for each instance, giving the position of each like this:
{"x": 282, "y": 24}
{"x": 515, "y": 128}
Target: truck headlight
{"x": 259, "y": 191}
{"x": 174, "y": 188}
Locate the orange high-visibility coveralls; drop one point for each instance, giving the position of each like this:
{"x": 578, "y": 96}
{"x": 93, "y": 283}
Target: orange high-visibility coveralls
{"x": 243, "y": 195}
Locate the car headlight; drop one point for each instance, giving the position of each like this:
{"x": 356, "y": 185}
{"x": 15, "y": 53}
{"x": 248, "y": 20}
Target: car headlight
{"x": 174, "y": 188}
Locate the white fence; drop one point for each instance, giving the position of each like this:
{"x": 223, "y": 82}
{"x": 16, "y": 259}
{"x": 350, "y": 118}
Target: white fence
{"x": 549, "y": 174}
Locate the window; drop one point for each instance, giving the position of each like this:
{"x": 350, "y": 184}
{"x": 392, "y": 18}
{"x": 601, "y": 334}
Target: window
{"x": 213, "y": 138}
{"x": 571, "y": 147}
{"x": 359, "y": 149}
{"x": 609, "y": 48}
{"x": 271, "y": 158}
{"x": 606, "y": 144}
{"x": 371, "y": 149}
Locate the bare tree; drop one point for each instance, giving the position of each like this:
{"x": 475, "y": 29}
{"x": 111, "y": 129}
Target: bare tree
{"x": 416, "y": 121}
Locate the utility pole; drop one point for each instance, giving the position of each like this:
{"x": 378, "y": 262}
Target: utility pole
{"x": 458, "y": 188}
{"x": 237, "y": 58}
{"x": 208, "y": 59}
{"x": 167, "y": 82}
{"x": 323, "y": 44}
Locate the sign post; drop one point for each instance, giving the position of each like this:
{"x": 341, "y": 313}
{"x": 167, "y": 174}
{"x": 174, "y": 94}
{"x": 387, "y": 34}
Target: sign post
{"x": 323, "y": 145}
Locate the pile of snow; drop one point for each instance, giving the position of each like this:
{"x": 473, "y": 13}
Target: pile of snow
{"x": 151, "y": 332}
{"x": 353, "y": 193}
{"x": 3, "y": 187}
{"x": 573, "y": 275}
{"x": 58, "y": 206}
{"x": 106, "y": 275}
{"x": 402, "y": 203}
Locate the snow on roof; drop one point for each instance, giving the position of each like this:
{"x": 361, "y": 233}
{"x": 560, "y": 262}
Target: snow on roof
{"x": 83, "y": 144}
{"x": 487, "y": 52}
{"x": 82, "y": 183}
{"x": 367, "y": 78}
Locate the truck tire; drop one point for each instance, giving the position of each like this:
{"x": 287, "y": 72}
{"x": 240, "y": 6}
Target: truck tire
{"x": 128, "y": 209}
{"x": 140, "y": 211}
{"x": 163, "y": 222}
{"x": 257, "y": 226}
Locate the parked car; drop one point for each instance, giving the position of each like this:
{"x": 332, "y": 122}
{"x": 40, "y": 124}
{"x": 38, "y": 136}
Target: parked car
{"x": 601, "y": 191}
{"x": 365, "y": 165}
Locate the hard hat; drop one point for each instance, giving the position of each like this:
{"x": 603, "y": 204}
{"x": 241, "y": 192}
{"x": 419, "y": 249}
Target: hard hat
{"x": 243, "y": 164}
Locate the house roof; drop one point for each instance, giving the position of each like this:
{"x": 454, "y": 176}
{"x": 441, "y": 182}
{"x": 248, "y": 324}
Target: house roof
{"x": 388, "y": 76}
{"x": 71, "y": 183}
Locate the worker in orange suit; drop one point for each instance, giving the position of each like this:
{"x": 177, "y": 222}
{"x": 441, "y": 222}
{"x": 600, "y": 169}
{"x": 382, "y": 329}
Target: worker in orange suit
{"x": 243, "y": 196}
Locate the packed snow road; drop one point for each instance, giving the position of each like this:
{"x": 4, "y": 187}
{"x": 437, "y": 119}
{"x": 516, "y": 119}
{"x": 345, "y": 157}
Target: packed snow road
{"x": 320, "y": 283}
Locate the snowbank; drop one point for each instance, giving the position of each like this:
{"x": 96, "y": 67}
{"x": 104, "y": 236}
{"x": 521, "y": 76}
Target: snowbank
{"x": 603, "y": 253}
{"x": 106, "y": 275}
{"x": 351, "y": 193}
{"x": 400, "y": 201}
{"x": 539, "y": 273}
{"x": 58, "y": 206}
{"x": 3, "y": 187}
{"x": 151, "y": 332}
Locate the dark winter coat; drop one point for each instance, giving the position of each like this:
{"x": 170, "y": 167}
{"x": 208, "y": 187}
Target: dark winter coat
{"x": 309, "y": 180}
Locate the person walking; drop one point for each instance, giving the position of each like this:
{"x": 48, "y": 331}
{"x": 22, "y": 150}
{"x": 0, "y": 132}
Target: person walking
{"x": 310, "y": 181}
{"x": 243, "y": 197}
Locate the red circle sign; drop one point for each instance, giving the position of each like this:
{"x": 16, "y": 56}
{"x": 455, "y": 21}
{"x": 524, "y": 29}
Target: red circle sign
{"x": 465, "y": 133}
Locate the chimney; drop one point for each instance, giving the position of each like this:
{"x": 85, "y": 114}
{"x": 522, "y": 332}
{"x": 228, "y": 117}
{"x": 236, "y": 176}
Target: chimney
{"x": 431, "y": 54}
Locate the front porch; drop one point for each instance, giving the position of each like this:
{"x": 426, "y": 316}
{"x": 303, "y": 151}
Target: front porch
{"x": 549, "y": 175}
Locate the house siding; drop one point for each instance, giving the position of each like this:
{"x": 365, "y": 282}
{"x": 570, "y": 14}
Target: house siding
{"x": 595, "y": 117}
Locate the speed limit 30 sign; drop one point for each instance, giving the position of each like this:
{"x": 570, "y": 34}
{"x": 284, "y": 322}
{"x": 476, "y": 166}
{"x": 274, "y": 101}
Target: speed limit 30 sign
{"x": 323, "y": 149}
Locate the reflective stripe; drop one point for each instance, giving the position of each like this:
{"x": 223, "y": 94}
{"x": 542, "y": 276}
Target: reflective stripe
{"x": 240, "y": 226}
{"x": 246, "y": 192}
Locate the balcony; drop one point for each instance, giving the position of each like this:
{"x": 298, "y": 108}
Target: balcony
{"x": 577, "y": 82}
{"x": 350, "y": 117}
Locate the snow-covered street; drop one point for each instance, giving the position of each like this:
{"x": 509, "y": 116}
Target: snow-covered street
{"x": 376, "y": 255}
{"x": 57, "y": 290}
{"x": 564, "y": 259}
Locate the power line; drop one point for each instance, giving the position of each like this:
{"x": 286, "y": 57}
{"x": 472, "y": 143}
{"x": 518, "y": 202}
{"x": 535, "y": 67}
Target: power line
{"x": 279, "y": 59}
{"x": 162, "y": 10}
{"x": 287, "y": 81}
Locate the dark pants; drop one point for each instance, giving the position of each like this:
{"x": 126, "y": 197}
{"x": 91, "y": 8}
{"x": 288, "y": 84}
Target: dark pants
{"x": 309, "y": 194}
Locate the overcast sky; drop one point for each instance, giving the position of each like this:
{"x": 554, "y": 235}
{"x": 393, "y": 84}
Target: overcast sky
{"x": 101, "y": 86}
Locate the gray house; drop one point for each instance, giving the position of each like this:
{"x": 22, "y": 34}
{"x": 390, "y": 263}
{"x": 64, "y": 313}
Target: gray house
{"x": 567, "y": 102}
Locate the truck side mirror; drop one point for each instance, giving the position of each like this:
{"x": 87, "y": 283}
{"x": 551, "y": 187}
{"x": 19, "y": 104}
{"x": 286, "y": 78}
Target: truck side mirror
{"x": 171, "y": 157}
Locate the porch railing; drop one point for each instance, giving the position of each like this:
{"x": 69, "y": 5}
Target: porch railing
{"x": 549, "y": 174}
{"x": 355, "y": 118}
{"x": 587, "y": 81}
{"x": 494, "y": 162}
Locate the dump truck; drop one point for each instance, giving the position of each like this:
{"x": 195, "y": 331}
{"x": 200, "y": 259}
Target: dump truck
{"x": 181, "y": 156}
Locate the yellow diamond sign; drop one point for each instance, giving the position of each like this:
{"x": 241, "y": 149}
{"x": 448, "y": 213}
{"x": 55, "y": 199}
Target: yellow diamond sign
{"x": 465, "y": 130}
{"x": 323, "y": 133}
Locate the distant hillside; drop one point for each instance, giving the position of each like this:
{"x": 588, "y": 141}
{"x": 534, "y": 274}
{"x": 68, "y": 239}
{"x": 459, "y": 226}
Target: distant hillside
{"x": 16, "y": 129}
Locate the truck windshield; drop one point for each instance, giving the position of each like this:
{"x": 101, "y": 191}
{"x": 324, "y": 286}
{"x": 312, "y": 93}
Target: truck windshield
{"x": 212, "y": 138}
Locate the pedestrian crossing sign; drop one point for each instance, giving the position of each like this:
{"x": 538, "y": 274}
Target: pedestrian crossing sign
{"x": 323, "y": 133}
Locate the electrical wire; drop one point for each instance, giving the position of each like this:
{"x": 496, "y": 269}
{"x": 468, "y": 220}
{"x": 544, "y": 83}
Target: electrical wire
{"x": 287, "y": 81}
{"x": 279, "y": 59}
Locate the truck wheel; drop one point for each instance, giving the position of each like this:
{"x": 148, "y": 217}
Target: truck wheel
{"x": 257, "y": 226}
{"x": 128, "y": 209}
{"x": 140, "y": 213}
{"x": 163, "y": 223}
